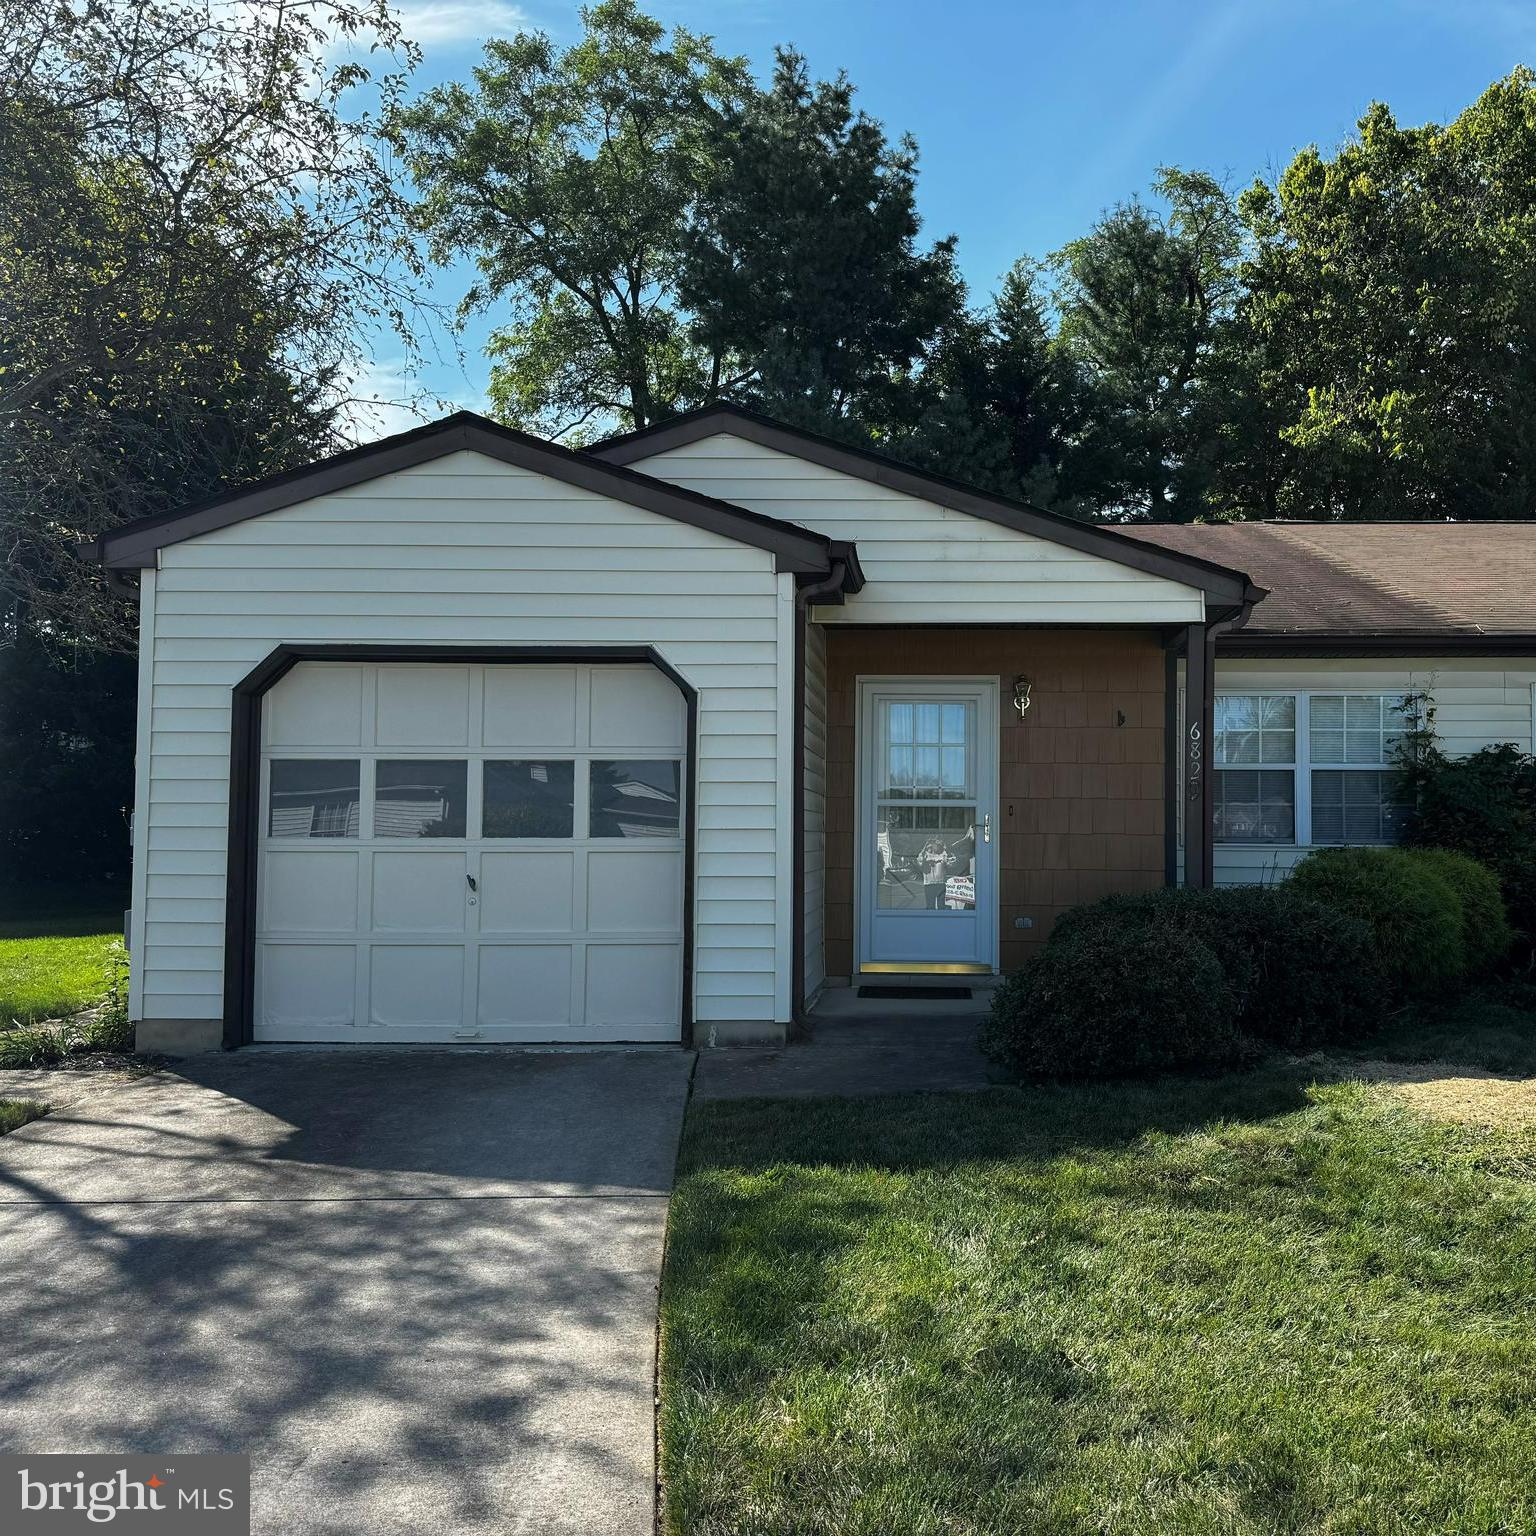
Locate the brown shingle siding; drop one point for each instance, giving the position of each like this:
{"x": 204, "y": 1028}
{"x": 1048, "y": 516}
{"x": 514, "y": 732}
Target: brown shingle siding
{"x": 1081, "y": 775}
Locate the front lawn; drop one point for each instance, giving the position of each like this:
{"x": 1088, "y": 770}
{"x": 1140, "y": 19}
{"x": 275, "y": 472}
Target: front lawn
{"x": 1227, "y": 1305}
{"x": 53, "y": 953}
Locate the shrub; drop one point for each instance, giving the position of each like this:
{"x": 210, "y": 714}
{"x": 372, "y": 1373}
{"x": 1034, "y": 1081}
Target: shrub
{"x": 1485, "y": 930}
{"x": 1411, "y": 909}
{"x": 1484, "y": 806}
{"x": 1300, "y": 973}
{"x": 1110, "y": 1000}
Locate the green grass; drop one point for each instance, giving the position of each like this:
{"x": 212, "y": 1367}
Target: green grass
{"x": 17, "y": 1112}
{"x": 1492, "y": 1027}
{"x": 1231, "y": 1305}
{"x": 45, "y": 978}
{"x": 53, "y": 951}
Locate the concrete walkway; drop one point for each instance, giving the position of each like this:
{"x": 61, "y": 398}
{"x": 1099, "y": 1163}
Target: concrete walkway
{"x": 858, "y": 1050}
{"x": 419, "y": 1288}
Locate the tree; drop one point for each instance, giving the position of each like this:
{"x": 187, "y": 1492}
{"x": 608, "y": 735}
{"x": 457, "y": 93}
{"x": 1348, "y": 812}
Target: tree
{"x": 995, "y": 401}
{"x": 1392, "y": 302}
{"x": 193, "y": 229}
{"x": 808, "y": 290}
{"x": 1144, "y": 301}
{"x": 573, "y": 178}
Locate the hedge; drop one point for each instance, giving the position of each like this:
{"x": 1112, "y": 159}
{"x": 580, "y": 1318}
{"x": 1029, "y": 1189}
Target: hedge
{"x": 1200, "y": 978}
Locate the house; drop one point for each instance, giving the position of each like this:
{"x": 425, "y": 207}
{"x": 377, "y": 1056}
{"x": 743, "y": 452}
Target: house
{"x": 465, "y": 736}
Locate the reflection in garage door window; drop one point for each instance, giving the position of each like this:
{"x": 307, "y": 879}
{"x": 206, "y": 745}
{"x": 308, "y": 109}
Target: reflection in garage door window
{"x": 529, "y": 799}
{"x": 313, "y": 797}
{"x": 635, "y": 799}
{"x": 417, "y": 797}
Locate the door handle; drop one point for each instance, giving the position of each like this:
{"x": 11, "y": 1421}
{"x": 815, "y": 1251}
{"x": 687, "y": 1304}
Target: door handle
{"x": 986, "y": 827}
{"x": 472, "y": 884}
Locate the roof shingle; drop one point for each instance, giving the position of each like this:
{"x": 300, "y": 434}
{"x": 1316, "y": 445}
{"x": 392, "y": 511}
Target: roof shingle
{"x": 1355, "y": 579}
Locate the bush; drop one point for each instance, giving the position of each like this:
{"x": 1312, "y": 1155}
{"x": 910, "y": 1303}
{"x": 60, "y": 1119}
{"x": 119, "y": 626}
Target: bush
{"x": 1300, "y": 973}
{"x": 1484, "y": 806}
{"x": 1485, "y": 931}
{"x": 1109, "y": 1000}
{"x": 1412, "y": 910}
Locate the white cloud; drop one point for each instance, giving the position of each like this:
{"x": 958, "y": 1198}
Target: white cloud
{"x": 382, "y": 400}
{"x": 385, "y": 397}
{"x": 436, "y": 23}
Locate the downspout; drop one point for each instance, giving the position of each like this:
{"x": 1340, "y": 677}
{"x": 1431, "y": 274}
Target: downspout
{"x": 1199, "y": 726}
{"x": 843, "y": 576}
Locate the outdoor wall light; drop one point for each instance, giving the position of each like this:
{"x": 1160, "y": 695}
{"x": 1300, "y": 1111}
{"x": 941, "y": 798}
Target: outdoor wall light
{"x": 1021, "y": 687}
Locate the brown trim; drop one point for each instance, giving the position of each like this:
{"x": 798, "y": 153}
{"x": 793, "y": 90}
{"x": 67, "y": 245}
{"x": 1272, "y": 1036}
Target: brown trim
{"x": 136, "y": 544}
{"x": 1422, "y": 643}
{"x": 1218, "y": 582}
{"x": 845, "y": 576}
{"x": 245, "y": 786}
{"x": 1199, "y": 723}
{"x": 1171, "y": 760}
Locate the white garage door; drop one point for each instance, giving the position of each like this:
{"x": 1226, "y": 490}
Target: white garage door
{"x": 471, "y": 853}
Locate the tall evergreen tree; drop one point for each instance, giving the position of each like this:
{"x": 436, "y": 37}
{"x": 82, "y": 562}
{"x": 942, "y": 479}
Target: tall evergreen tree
{"x": 995, "y": 401}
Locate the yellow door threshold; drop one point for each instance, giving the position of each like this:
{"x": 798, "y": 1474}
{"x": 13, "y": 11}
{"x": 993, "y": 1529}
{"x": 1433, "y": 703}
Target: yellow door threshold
{"x": 922, "y": 968}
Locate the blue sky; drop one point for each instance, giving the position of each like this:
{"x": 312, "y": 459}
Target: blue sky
{"x": 1032, "y": 118}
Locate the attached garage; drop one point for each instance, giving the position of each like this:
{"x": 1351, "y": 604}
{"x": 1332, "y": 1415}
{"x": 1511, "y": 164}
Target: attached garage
{"x": 465, "y": 737}
{"x": 455, "y": 852}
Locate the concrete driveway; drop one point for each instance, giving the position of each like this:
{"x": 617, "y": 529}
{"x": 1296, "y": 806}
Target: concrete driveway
{"x": 418, "y": 1288}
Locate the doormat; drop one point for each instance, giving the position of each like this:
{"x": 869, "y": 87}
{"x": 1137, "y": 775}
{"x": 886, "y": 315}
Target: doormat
{"x": 919, "y": 994}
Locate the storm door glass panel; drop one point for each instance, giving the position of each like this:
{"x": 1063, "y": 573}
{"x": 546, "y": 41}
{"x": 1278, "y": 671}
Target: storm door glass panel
{"x": 636, "y": 798}
{"x": 524, "y": 798}
{"x": 927, "y": 858}
{"x": 313, "y": 797}
{"x": 420, "y": 797}
{"x": 925, "y": 810}
{"x": 927, "y": 751}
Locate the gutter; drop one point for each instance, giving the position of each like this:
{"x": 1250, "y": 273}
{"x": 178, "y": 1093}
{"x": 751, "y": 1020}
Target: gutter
{"x": 843, "y": 577}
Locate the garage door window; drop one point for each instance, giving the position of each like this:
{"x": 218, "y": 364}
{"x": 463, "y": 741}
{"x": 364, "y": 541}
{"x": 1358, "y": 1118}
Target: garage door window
{"x": 525, "y": 798}
{"x": 635, "y": 798}
{"x": 417, "y": 797}
{"x": 313, "y": 797}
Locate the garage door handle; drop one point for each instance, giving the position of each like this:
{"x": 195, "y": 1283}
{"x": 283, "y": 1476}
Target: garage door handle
{"x": 472, "y": 884}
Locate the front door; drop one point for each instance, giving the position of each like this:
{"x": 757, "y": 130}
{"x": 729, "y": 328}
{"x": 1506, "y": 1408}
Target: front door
{"x": 926, "y": 855}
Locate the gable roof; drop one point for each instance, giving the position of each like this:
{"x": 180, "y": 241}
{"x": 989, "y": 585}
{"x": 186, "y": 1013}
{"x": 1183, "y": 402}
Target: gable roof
{"x": 1228, "y": 589}
{"x": 1469, "y": 583}
{"x": 801, "y": 550}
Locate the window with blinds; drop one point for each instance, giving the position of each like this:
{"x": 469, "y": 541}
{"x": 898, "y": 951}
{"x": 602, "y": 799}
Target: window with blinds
{"x": 1352, "y": 739}
{"x": 1305, "y": 769}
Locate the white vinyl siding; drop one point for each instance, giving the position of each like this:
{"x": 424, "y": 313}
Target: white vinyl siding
{"x": 815, "y": 807}
{"x": 464, "y": 551}
{"x": 925, "y": 563}
{"x": 1478, "y": 702}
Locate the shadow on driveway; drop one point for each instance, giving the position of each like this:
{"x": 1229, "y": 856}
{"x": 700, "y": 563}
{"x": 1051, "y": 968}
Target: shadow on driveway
{"x": 418, "y": 1289}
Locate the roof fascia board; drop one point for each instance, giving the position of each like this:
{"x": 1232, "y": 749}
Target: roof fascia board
{"x": 1217, "y": 581}
{"x": 136, "y": 545}
{"x": 1320, "y": 644}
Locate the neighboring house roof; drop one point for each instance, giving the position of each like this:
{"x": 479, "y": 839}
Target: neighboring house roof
{"x": 797, "y": 549}
{"x": 1471, "y": 584}
{"x": 1227, "y": 587}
